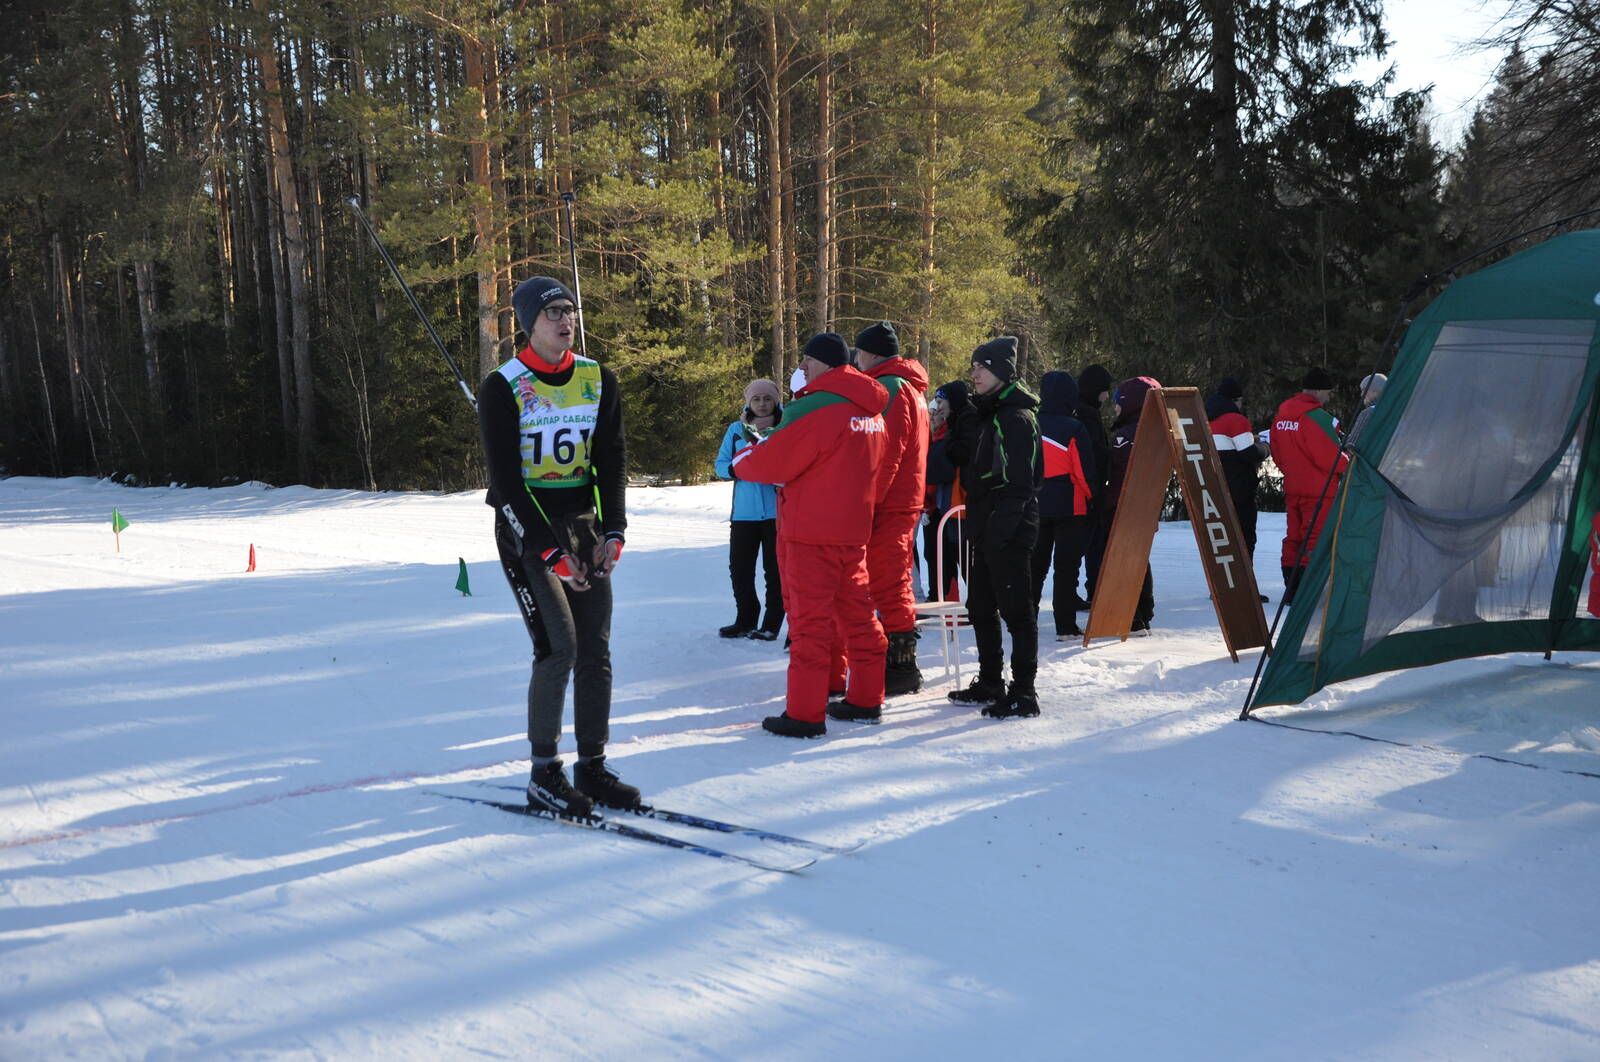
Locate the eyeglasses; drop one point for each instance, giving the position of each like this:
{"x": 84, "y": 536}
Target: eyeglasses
{"x": 560, "y": 310}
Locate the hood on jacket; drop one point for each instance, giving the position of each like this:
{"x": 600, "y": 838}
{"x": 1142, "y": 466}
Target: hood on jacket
{"x": 853, "y": 385}
{"x": 1130, "y": 398}
{"x": 906, "y": 368}
{"x": 1091, "y": 381}
{"x": 1058, "y": 393}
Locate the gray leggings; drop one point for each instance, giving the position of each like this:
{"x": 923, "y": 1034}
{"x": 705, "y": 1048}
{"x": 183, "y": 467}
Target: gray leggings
{"x": 578, "y": 624}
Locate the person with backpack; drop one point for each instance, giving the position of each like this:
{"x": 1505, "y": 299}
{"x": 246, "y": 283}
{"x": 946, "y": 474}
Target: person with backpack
{"x": 753, "y": 524}
{"x": 1065, "y": 499}
{"x": 1003, "y": 520}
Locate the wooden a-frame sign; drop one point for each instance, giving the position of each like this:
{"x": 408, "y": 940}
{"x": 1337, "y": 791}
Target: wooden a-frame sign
{"x": 1174, "y": 435}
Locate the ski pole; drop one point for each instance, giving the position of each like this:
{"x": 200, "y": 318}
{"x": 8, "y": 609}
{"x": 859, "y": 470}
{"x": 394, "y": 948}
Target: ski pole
{"x": 567, "y": 199}
{"x": 355, "y": 207}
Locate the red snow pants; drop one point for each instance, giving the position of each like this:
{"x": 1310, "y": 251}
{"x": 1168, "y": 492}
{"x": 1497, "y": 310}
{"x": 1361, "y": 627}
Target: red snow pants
{"x": 825, "y": 589}
{"x": 1300, "y": 507}
{"x": 889, "y": 554}
{"x": 1594, "y": 564}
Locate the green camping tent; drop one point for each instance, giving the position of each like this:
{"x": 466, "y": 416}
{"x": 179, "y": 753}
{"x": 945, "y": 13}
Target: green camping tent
{"x": 1464, "y": 524}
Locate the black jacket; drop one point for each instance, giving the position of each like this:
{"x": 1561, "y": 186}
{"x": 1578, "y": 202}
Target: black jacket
{"x": 1058, "y": 399}
{"x": 1005, "y": 465}
{"x": 1239, "y": 467}
{"x": 502, "y": 456}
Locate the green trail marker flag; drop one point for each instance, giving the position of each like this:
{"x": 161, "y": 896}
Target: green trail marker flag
{"x": 461, "y": 578}
{"x": 118, "y": 525}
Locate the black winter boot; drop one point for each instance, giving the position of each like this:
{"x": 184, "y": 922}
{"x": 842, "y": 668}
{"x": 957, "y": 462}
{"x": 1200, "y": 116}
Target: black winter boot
{"x": 736, "y": 629}
{"x": 786, "y": 725}
{"x": 1016, "y": 704}
{"x": 854, "y": 713}
{"x": 549, "y": 789}
{"x": 1291, "y": 583}
{"x": 982, "y": 691}
{"x": 900, "y": 673}
{"x": 600, "y": 783}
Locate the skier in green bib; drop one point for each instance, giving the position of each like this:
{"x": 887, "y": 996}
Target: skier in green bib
{"x": 554, "y": 448}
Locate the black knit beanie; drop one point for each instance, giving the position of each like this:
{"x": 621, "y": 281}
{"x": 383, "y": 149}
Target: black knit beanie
{"x": 1317, "y": 379}
{"x": 1229, "y": 388}
{"x": 1093, "y": 381}
{"x": 531, "y": 296}
{"x": 828, "y": 348}
{"x": 999, "y": 356}
{"x": 879, "y": 339}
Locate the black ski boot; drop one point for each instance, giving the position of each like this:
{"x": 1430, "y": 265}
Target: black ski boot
{"x": 1018, "y": 703}
{"x": 786, "y": 725}
{"x": 549, "y": 789}
{"x": 982, "y": 691}
{"x": 854, "y": 713}
{"x": 900, "y": 673}
{"x": 736, "y": 630}
{"x": 600, "y": 784}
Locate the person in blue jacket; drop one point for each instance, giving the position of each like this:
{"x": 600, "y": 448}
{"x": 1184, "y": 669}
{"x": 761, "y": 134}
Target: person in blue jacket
{"x": 753, "y": 526}
{"x": 1066, "y": 521}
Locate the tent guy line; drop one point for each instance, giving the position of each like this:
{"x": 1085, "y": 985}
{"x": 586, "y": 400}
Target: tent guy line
{"x": 1428, "y": 748}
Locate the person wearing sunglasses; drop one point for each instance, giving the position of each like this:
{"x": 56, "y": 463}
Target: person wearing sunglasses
{"x": 556, "y": 458}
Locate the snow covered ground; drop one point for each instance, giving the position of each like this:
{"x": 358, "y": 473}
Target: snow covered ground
{"x": 218, "y": 833}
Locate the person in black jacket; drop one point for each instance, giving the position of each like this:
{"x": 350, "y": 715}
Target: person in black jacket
{"x": 1240, "y": 451}
{"x": 948, "y": 403}
{"x": 556, "y": 457}
{"x": 1065, "y": 498}
{"x": 1094, "y": 387}
{"x": 1003, "y": 520}
{"x": 1129, "y": 403}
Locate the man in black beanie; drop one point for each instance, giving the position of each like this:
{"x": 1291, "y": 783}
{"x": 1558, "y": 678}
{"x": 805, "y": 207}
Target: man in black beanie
{"x": 1003, "y": 520}
{"x": 1094, "y": 387}
{"x": 902, "y": 479}
{"x": 554, "y": 449}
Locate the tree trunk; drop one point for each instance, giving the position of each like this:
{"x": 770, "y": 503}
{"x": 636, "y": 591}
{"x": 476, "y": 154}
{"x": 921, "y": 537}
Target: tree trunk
{"x": 791, "y": 242}
{"x": 144, "y": 269}
{"x": 483, "y": 241}
{"x": 824, "y": 300}
{"x": 930, "y": 189}
{"x": 774, "y": 201}
{"x": 294, "y": 243}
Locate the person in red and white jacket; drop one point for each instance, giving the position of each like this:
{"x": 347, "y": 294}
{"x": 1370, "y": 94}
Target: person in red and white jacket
{"x": 1240, "y": 452}
{"x": 1305, "y": 447}
{"x": 825, "y": 457}
{"x": 902, "y": 481}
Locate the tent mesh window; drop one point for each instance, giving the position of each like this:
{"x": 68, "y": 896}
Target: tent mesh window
{"x": 1481, "y": 471}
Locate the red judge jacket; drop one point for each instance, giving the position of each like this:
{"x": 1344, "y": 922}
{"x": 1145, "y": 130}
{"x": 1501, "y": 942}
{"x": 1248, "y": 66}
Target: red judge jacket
{"x": 825, "y": 457}
{"x": 1305, "y": 446}
{"x": 903, "y": 476}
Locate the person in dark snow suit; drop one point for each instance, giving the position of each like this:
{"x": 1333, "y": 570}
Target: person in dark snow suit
{"x": 1094, "y": 387}
{"x": 944, "y": 493}
{"x": 1003, "y": 520}
{"x": 1129, "y": 404}
{"x": 753, "y": 524}
{"x": 1065, "y": 498}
